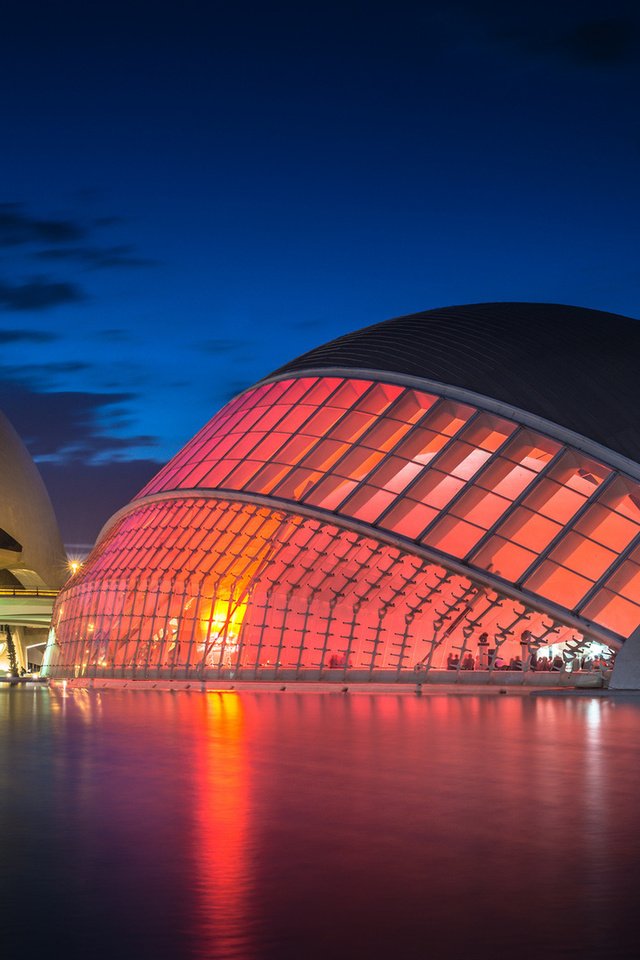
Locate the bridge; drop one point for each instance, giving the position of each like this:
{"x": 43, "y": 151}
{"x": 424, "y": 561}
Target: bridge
{"x": 22, "y": 607}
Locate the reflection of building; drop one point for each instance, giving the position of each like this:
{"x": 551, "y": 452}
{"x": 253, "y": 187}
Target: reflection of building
{"x": 31, "y": 552}
{"x": 455, "y": 490}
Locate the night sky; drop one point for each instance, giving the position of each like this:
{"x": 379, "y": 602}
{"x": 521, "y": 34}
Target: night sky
{"x": 195, "y": 192}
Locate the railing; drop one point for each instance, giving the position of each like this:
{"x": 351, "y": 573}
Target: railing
{"x": 28, "y": 592}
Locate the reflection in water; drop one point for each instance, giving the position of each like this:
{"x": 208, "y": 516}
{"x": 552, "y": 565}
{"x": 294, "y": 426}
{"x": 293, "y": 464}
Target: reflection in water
{"x": 221, "y": 841}
{"x": 276, "y": 826}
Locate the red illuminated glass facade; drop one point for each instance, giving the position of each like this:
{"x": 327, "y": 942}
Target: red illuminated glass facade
{"x": 348, "y": 525}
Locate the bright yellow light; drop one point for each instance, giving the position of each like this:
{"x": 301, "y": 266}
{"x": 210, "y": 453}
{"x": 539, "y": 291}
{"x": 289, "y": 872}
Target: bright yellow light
{"x": 74, "y": 566}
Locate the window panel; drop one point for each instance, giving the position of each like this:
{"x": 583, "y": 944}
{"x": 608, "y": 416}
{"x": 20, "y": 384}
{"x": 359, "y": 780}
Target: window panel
{"x": 453, "y": 536}
{"x": 623, "y": 496}
{"x": 579, "y": 473}
{"x": 357, "y": 464}
{"x": 554, "y": 501}
{"x": 606, "y": 527}
{"x": 422, "y": 445}
{"x": 531, "y": 450}
{"x": 267, "y": 478}
{"x": 504, "y": 559}
{"x": 506, "y": 478}
{"x": 322, "y": 421}
{"x": 448, "y": 416}
{"x": 530, "y": 530}
{"x": 351, "y": 426}
{"x": 462, "y": 460}
{"x": 408, "y": 518}
{"x": 368, "y": 503}
{"x": 488, "y": 432}
{"x": 480, "y": 507}
{"x": 295, "y": 449}
{"x": 395, "y": 474}
{"x": 325, "y": 454}
{"x": 435, "y": 489}
{"x": 243, "y": 473}
{"x": 379, "y": 398}
{"x": 322, "y": 390}
{"x": 330, "y": 493}
{"x": 349, "y": 393}
{"x": 584, "y": 556}
{"x": 613, "y": 612}
{"x": 295, "y": 485}
{"x": 412, "y": 406}
{"x": 626, "y": 581}
{"x": 385, "y": 435}
{"x": 558, "y": 584}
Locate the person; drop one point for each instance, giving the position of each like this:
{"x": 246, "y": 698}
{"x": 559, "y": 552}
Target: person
{"x": 467, "y": 662}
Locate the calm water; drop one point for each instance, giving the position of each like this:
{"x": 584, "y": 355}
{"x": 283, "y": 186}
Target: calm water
{"x": 146, "y": 824}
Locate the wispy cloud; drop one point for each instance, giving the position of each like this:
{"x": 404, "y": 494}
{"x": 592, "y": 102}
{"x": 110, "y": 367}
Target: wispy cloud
{"x": 97, "y": 258}
{"x": 38, "y": 293}
{"x": 27, "y": 336}
{"x": 17, "y": 227}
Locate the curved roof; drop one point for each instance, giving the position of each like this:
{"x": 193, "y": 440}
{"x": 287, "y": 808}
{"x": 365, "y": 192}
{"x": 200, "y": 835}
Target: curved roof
{"x": 576, "y": 367}
{"x": 33, "y": 550}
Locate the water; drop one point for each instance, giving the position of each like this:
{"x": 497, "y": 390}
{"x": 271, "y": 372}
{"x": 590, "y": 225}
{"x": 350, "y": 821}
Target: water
{"x": 188, "y": 825}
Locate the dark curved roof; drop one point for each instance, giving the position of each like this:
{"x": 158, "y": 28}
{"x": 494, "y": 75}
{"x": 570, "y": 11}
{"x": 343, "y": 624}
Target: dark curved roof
{"x": 578, "y": 368}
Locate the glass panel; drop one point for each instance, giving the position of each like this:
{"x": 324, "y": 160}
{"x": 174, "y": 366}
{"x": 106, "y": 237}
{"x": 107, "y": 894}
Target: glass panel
{"x": 412, "y": 406}
{"x": 408, "y": 518}
{"x": 351, "y": 426}
{"x": 462, "y": 460}
{"x": 422, "y": 445}
{"x": 480, "y": 507}
{"x": 448, "y": 416}
{"x": 607, "y": 527}
{"x": 529, "y": 529}
{"x": 488, "y": 431}
{"x": 368, "y": 503}
{"x": 506, "y": 478}
{"x": 558, "y": 584}
{"x": 626, "y": 581}
{"x": 325, "y": 454}
{"x": 531, "y": 450}
{"x": 504, "y": 559}
{"x": 613, "y": 612}
{"x": 296, "y": 484}
{"x": 435, "y": 489}
{"x": 453, "y": 536}
{"x": 584, "y": 556}
{"x": 378, "y": 399}
{"x": 579, "y": 473}
{"x": 623, "y": 496}
{"x": 349, "y": 393}
{"x": 552, "y": 500}
{"x": 330, "y": 493}
{"x": 395, "y": 474}
{"x": 385, "y": 435}
{"x": 358, "y": 463}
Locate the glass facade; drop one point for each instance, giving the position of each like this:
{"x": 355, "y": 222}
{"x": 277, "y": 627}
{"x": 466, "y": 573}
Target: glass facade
{"x": 361, "y": 459}
{"x": 205, "y": 588}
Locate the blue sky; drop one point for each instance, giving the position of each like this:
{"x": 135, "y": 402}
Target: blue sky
{"x": 192, "y": 194}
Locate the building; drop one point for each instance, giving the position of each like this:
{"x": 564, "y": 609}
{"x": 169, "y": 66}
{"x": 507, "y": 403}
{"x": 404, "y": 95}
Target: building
{"x": 32, "y": 559}
{"x": 450, "y": 492}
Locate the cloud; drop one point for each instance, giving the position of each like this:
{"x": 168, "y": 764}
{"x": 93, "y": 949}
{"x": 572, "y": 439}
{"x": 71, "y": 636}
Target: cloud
{"x": 17, "y": 228}
{"x": 65, "y": 425}
{"x": 97, "y": 258}
{"x": 26, "y": 336}
{"x": 39, "y": 293}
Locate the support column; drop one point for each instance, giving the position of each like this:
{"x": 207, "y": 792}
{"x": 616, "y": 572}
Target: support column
{"x": 626, "y": 671}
